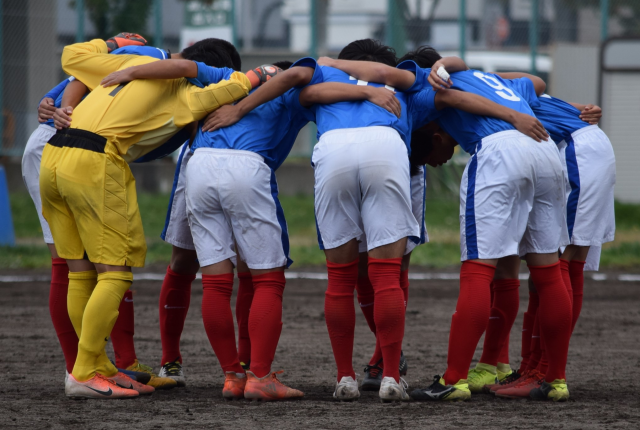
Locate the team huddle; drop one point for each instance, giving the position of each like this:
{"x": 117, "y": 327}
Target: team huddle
{"x": 538, "y": 186}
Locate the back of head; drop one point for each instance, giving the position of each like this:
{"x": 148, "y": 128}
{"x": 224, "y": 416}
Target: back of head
{"x": 212, "y": 52}
{"x": 284, "y": 65}
{"x": 369, "y": 50}
{"x": 425, "y": 56}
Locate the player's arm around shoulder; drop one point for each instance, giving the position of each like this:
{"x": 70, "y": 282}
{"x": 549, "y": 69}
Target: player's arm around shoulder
{"x": 201, "y": 101}
{"x": 90, "y": 61}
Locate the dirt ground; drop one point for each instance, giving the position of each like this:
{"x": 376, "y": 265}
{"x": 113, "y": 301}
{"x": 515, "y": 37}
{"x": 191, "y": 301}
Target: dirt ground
{"x": 603, "y": 370}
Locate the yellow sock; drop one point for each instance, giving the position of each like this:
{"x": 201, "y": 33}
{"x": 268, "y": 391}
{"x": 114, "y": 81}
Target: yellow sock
{"x": 81, "y": 285}
{"x": 99, "y": 317}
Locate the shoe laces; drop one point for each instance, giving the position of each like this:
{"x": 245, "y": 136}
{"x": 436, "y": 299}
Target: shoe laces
{"x": 511, "y": 378}
{"x": 146, "y": 369}
{"x": 172, "y": 368}
{"x": 474, "y": 374}
{"x": 373, "y": 370}
{"x": 105, "y": 379}
{"x": 404, "y": 384}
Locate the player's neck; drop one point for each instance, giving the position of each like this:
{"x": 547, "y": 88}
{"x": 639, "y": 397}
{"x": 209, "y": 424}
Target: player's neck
{"x": 177, "y": 56}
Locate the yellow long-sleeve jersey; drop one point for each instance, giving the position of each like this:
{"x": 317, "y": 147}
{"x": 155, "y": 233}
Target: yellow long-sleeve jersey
{"x": 139, "y": 116}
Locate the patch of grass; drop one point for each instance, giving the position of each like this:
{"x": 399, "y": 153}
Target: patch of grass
{"x": 441, "y": 218}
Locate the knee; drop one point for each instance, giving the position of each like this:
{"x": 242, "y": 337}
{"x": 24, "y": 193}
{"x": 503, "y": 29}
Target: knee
{"x": 184, "y": 261}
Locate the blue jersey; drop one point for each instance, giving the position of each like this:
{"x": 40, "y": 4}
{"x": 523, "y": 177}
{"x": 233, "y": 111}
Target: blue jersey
{"x": 57, "y": 92}
{"x": 469, "y": 129}
{"x": 355, "y": 114}
{"x": 270, "y": 129}
{"x": 558, "y": 117}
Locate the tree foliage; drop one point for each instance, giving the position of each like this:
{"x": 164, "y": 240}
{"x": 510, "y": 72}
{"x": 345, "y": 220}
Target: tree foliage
{"x": 111, "y": 17}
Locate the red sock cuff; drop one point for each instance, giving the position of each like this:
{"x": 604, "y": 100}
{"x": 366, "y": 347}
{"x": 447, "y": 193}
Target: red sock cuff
{"x": 332, "y": 265}
{"x": 393, "y": 261}
{"x": 575, "y": 265}
{"x": 506, "y": 284}
{"x": 564, "y": 263}
{"x": 180, "y": 275}
{"x": 58, "y": 261}
{"x": 225, "y": 278}
{"x": 270, "y": 276}
{"x": 544, "y": 267}
{"x": 467, "y": 262}
{"x": 244, "y": 275}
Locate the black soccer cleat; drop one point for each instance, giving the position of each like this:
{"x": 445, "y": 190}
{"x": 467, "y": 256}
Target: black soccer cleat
{"x": 438, "y": 391}
{"x": 372, "y": 377}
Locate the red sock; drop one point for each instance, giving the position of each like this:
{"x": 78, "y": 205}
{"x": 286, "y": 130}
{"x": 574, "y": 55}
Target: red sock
{"x": 388, "y": 311}
{"x": 265, "y": 320}
{"x": 566, "y": 278}
{"x": 59, "y": 313}
{"x": 470, "y": 319}
{"x": 122, "y": 333}
{"x": 404, "y": 286}
{"x": 340, "y": 314}
{"x": 543, "y": 364}
{"x": 527, "y": 330}
{"x": 555, "y": 317}
{"x": 243, "y": 305}
{"x": 175, "y": 297}
{"x": 535, "y": 348}
{"x": 218, "y": 320}
{"x": 504, "y": 309}
{"x": 576, "y": 270}
{"x": 366, "y": 300}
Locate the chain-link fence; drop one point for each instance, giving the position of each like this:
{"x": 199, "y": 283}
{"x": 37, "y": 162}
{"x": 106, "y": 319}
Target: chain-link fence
{"x": 557, "y": 39}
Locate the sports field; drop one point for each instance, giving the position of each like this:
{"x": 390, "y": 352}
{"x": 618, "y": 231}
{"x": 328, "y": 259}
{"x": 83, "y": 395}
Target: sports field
{"x": 603, "y": 369}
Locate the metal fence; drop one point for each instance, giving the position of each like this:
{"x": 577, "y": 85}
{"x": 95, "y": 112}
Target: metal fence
{"x": 557, "y": 39}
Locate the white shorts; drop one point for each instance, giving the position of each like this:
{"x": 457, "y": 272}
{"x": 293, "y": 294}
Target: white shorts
{"x": 512, "y": 199}
{"x": 31, "y": 171}
{"x": 176, "y": 227}
{"x": 418, "y": 198}
{"x": 362, "y": 186}
{"x": 233, "y": 194}
{"x": 590, "y": 169}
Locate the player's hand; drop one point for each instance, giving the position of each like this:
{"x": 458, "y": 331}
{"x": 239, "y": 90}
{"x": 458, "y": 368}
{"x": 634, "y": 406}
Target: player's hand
{"x": 125, "y": 39}
{"x": 62, "y": 117}
{"x": 325, "y": 61}
{"x": 223, "y": 117}
{"x": 529, "y": 125}
{"x": 436, "y": 81}
{"x": 46, "y": 109}
{"x": 386, "y": 99}
{"x": 118, "y": 77}
{"x": 591, "y": 114}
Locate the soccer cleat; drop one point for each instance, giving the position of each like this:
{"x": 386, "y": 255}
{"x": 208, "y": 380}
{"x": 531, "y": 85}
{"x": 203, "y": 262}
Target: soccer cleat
{"x": 269, "y": 388}
{"x": 522, "y": 388}
{"x": 483, "y": 374}
{"x": 505, "y": 383}
{"x": 246, "y": 366}
{"x": 123, "y": 381}
{"x": 403, "y": 364}
{"x": 439, "y": 391}
{"x": 346, "y": 390}
{"x": 503, "y": 373}
{"x": 372, "y": 377}
{"x": 392, "y": 391}
{"x": 173, "y": 370}
{"x": 125, "y": 39}
{"x": 155, "y": 381}
{"x": 234, "y": 384}
{"x": 556, "y": 391}
{"x": 97, "y": 387}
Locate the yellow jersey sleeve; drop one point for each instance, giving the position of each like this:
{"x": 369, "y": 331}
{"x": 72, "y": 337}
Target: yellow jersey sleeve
{"x": 201, "y": 101}
{"x": 89, "y": 62}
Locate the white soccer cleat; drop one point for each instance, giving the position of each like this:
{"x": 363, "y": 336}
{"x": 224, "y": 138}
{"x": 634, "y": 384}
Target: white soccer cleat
{"x": 391, "y": 391}
{"x": 97, "y": 387}
{"x": 346, "y": 390}
{"x": 173, "y": 370}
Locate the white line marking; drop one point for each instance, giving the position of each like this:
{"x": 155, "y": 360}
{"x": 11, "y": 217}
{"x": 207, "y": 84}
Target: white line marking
{"x": 322, "y": 276}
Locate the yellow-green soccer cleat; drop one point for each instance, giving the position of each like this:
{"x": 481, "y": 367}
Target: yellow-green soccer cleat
{"x": 155, "y": 381}
{"x": 503, "y": 371}
{"x": 556, "y": 391}
{"x": 483, "y": 374}
{"x": 439, "y": 391}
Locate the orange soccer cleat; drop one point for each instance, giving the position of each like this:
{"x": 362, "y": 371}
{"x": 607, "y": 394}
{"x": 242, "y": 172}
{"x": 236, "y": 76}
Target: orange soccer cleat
{"x": 523, "y": 388}
{"x": 123, "y": 381}
{"x": 234, "y": 384}
{"x": 269, "y": 388}
{"x": 97, "y": 387}
{"x": 509, "y": 381}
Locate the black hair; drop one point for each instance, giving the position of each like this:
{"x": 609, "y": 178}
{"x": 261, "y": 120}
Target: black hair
{"x": 421, "y": 146}
{"x": 424, "y": 56}
{"x": 212, "y": 52}
{"x": 284, "y": 65}
{"x": 369, "y": 50}
{"x": 233, "y": 53}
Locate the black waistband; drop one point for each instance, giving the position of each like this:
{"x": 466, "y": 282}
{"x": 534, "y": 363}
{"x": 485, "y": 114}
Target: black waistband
{"x": 76, "y": 138}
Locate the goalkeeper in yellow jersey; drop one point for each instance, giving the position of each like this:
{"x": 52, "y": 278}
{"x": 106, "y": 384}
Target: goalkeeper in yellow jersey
{"x": 88, "y": 192}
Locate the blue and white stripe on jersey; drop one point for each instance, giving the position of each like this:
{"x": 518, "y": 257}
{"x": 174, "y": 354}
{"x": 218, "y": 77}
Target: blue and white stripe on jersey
{"x": 558, "y": 117}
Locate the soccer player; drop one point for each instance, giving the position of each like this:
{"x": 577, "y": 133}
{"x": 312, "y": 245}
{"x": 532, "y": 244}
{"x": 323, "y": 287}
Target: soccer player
{"x": 361, "y": 165}
{"x": 70, "y": 92}
{"x": 88, "y": 192}
{"x": 584, "y": 149}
